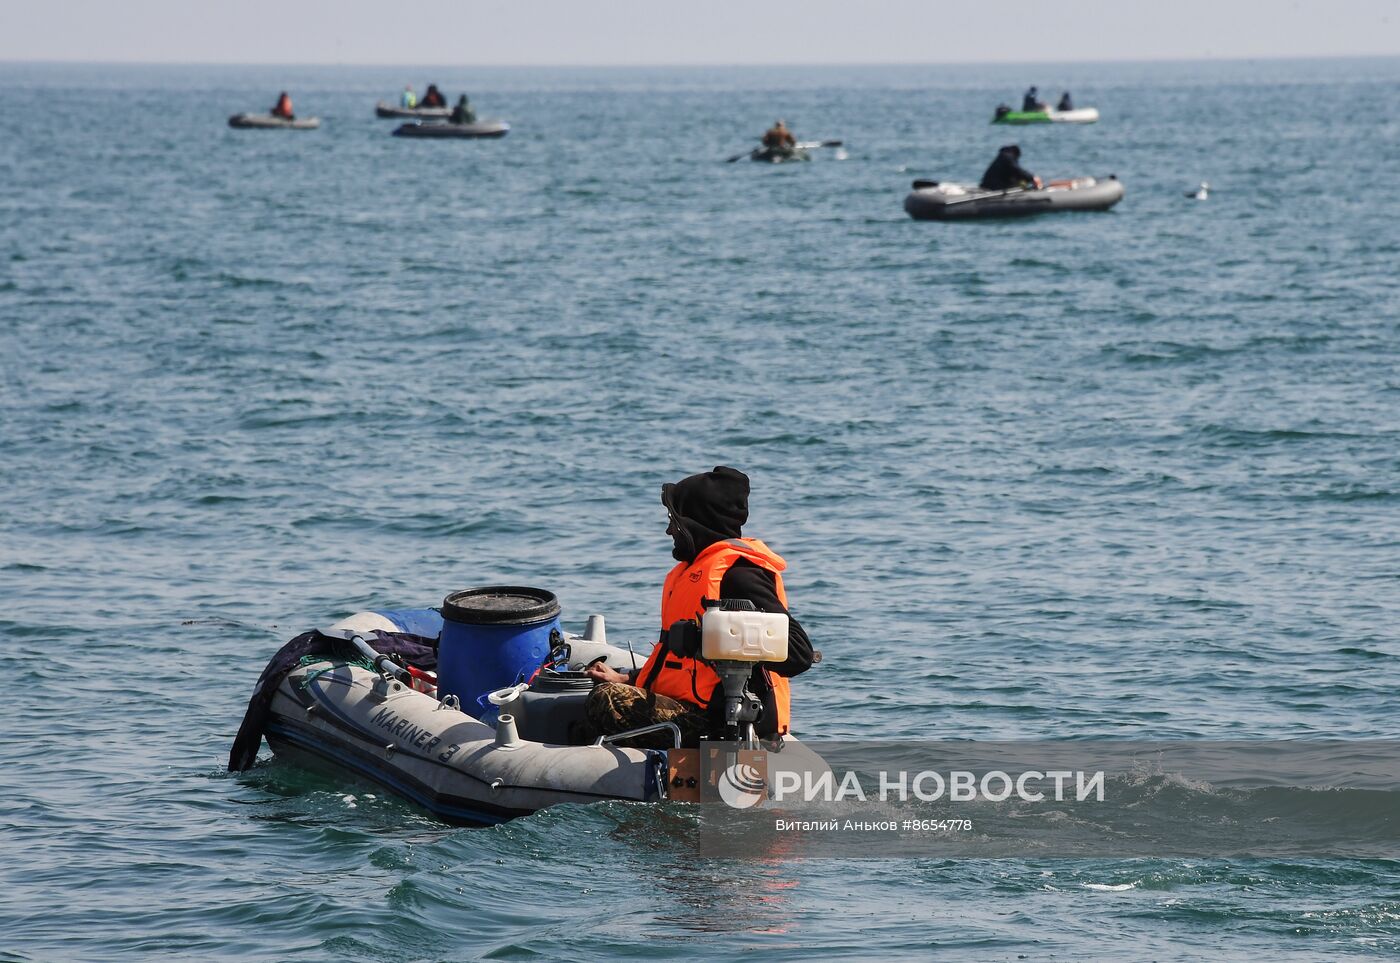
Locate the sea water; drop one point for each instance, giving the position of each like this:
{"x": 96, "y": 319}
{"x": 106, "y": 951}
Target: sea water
{"x": 1123, "y": 475}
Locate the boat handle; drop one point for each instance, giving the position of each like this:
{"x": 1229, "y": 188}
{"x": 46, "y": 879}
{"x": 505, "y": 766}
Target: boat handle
{"x": 675, "y": 733}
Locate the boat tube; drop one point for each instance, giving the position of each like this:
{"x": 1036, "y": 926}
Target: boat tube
{"x": 382, "y": 109}
{"x": 482, "y": 128}
{"x": 353, "y": 700}
{"x": 1080, "y": 115}
{"x": 269, "y": 122}
{"x": 934, "y": 201}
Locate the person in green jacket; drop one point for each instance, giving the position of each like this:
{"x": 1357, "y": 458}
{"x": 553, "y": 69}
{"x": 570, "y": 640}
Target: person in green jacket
{"x": 462, "y": 113}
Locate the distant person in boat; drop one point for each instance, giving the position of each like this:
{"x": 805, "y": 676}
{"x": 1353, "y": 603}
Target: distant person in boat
{"x": 1002, "y": 110}
{"x": 1065, "y": 103}
{"x": 432, "y": 97}
{"x": 1006, "y": 171}
{"x": 1031, "y": 102}
{"x": 706, "y": 513}
{"x": 284, "y": 107}
{"x": 463, "y": 113}
{"x": 778, "y": 137}
{"x": 409, "y": 100}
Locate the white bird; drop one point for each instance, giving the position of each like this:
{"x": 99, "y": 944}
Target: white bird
{"x": 1200, "y": 193}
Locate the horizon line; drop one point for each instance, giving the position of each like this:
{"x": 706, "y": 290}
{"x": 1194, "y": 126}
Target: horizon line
{"x": 595, "y": 65}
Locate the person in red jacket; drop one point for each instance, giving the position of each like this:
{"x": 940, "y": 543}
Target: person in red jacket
{"x": 714, "y": 561}
{"x": 284, "y": 107}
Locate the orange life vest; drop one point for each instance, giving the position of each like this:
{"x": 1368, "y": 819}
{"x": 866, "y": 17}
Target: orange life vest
{"x": 682, "y": 597}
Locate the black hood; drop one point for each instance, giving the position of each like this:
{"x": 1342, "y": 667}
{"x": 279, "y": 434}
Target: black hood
{"x": 705, "y": 509}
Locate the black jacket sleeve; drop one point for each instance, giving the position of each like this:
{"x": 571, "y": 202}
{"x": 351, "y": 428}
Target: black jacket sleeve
{"x": 745, "y": 580}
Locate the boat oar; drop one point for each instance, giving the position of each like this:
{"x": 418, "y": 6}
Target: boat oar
{"x": 923, "y": 184}
{"x": 982, "y": 197}
{"x": 384, "y": 664}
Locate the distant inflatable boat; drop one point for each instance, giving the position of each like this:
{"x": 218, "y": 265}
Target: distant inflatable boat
{"x": 1081, "y": 115}
{"x": 934, "y": 201}
{"x": 780, "y": 155}
{"x": 482, "y": 128}
{"x": 382, "y": 109}
{"x": 269, "y": 122}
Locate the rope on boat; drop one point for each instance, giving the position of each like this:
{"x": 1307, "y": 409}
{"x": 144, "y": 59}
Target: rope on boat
{"x": 315, "y": 674}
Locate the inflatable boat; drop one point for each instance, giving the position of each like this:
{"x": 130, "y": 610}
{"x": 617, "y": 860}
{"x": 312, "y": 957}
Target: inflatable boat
{"x": 1080, "y": 115}
{"x": 269, "y": 122}
{"x": 482, "y": 128}
{"x": 800, "y": 151}
{"x": 473, "y": 712}
{"x": 780, "y": 155}
{"x": 382, "y": 109}
{"x": 934, "y": 201}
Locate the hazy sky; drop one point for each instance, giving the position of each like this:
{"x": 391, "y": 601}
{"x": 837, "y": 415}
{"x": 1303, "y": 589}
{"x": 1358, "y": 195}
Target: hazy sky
{"x": 491, "y": 32}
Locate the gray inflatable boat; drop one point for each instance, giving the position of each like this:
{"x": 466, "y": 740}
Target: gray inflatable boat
{"x": 382, "y": 109}
{"x": 370, "y": 719}
{"x": 269, "y": 122}
{"x": 351, "y": 723}
{"x": 934, "y": 201}
{"x": 482, "y": 128}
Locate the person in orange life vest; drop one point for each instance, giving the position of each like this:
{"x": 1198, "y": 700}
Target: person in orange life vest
{"x": 284, "y": 107}
{"x": 433, "y": 97}
{"x": 706, "y": 514}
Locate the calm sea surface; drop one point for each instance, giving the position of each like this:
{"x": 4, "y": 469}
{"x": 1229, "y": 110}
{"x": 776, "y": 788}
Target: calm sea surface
{"x": 1134, "y": 474}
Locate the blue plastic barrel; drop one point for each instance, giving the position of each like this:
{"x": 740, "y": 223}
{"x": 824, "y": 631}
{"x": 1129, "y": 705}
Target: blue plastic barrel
{"x": 493, "y": 637}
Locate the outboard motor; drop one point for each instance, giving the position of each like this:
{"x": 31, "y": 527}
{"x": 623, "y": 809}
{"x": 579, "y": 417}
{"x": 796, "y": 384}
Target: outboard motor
{"x": 731, "y": 636}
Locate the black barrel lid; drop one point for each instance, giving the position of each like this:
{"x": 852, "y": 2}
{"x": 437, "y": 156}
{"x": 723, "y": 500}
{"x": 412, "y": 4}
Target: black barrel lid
{"x": 553, "y": 680}
{"x": 500, "y": 605}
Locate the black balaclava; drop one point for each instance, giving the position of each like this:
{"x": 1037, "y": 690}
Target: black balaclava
{"x": 705, "y": 509}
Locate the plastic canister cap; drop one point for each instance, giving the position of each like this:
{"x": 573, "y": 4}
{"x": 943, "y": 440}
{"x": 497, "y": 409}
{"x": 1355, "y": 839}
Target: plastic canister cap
{"x": 501, "y": 605}
{"x": 504, "y": 697}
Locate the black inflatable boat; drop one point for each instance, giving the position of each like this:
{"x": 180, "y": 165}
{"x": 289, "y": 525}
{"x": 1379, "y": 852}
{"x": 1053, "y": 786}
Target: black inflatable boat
{"x": 482, "y": 128}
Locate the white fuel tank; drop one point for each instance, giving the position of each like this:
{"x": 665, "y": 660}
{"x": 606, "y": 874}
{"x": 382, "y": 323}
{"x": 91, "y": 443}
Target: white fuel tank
{"x": 744, "y": 636}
